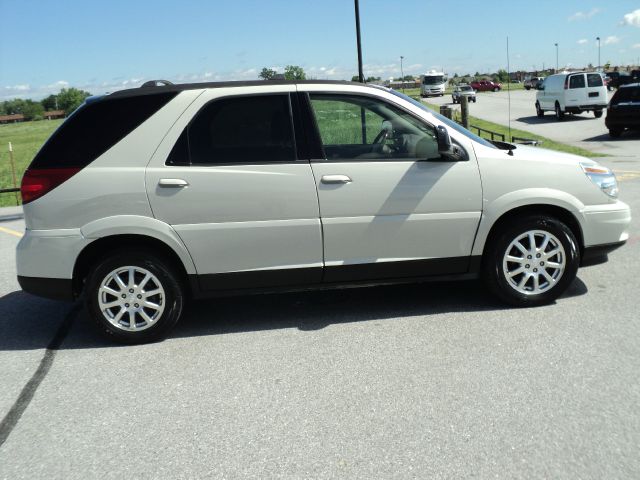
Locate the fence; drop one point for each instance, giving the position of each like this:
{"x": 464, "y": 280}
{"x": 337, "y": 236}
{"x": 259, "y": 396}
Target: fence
{"x": 14, "y": 189}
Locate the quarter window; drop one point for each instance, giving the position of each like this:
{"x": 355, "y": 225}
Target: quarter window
{"x": 362, "y": 128}
{"x": 594, "y": 80}
{"x": 241, "y": 130}
{"x": 576, "y": 81}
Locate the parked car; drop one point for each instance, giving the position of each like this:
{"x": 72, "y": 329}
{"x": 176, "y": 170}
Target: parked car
{"x": 147, "y": 197}
{"x": 571, "y": 93}
{"x": 486, "y": 86}
{"x": 623, "y": 111}
{"x": 533, "y": 83}
{"x": 619, "y": 78}
{"x": 463, "y": 91}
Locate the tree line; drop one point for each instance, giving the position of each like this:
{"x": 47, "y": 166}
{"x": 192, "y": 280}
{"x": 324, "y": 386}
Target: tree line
{"x": 68, "y": 99}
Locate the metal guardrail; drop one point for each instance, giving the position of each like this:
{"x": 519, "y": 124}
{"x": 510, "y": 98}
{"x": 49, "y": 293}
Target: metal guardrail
{"x": 9, "y": 190}
{"x": 490, "y": 132}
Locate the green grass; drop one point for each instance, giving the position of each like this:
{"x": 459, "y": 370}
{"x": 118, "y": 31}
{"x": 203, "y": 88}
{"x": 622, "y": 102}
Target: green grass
{"x": 27, "y": 138}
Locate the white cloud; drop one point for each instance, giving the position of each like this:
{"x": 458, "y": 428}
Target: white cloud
{"x": 632, "y": 19}
{"x": 635, "y": 45}
{"x": 583, "y": 15}
{"x": 611, "y": 39}
{"x": 582, "y": 41}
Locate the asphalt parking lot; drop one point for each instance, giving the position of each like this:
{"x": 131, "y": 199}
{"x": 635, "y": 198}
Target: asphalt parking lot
{"x": 411, "y": 381}
{"x": 582, "y": 130}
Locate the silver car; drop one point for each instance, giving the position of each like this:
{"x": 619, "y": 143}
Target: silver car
{"x": 463, "y": 91}
{"x": 147, "y": 197}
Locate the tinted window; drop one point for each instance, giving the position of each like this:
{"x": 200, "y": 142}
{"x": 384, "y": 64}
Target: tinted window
{"x": 624, "y": 95}
{"x": 95, "y": 127}
{"x": 594, "y": 80}
{"x": 361, "y": 128}
{"x": 576, "y": 81}
{"x": 243, "y": 130}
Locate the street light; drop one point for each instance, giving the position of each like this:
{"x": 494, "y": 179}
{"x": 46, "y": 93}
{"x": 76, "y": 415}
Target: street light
{"x": 598, "y": 39}
{"x": 556, "y": 57}
{"x": 402, "y": 73}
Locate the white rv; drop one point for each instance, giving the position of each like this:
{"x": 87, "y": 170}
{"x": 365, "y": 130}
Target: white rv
{"x": 433, "y": 84}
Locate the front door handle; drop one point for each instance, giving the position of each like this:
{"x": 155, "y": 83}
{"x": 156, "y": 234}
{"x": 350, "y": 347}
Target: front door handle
{"x": 173, "y": 183}
{"x": 335, "y": 179}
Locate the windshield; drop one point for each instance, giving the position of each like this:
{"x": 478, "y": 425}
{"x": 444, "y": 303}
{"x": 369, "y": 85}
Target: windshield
{"x": 445, "y": 120}
{"x": 434, "y": 80}
{"x": 466, "y": 88}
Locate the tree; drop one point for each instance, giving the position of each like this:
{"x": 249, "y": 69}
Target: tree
{"x": 71, "y": 98}
{"x": 502, "y": 75}
{"x": 32, "y": 110}
{"x": 294, "y": 72}
{"x": 267, "y": 73}
{"x": 355, "y": 78}
{"x": 50, "y": 102}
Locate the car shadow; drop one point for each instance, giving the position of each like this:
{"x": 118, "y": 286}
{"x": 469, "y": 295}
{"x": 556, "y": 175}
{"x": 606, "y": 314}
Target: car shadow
{"x": 535, "y": 120}
{"x": 307, "y": 311}
{"x": 626, "y": 136}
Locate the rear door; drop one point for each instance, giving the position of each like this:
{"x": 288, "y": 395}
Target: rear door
{"x": 228, "y": 179}
{"x": 391, "y": 206}
{"x": 576, "y": 94}
{"x": 596, "y": 91}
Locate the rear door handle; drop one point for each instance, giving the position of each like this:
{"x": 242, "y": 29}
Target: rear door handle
{"x": 335, "y": 179}
{"x": 172, "y": 183}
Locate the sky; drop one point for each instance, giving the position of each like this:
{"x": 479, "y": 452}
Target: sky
{"x": 101, "y": 46}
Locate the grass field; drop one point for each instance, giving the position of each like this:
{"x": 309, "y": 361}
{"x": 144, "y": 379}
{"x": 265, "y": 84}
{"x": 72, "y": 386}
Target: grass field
{"x": 27, "y": 138}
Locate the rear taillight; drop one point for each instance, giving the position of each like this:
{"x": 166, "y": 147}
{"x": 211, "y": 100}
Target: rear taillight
{"x": 38, "y": 182}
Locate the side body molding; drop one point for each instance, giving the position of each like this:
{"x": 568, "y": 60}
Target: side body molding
{"x": 139, "y": 225}
{"x": 494, "y": 209}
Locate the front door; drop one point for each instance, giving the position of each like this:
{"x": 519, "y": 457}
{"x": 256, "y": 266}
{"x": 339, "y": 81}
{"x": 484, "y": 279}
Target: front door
{"x": 390, "y": 206}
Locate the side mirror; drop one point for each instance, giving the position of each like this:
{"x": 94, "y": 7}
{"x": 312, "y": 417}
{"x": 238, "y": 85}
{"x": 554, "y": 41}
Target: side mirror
{"x": 446, "y": 148}
{"x": 540, "y": 86}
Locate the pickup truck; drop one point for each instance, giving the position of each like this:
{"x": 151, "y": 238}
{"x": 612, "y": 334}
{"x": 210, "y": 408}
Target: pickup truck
{"x": 533, "y": 82}
{"x": 486, "y": 86}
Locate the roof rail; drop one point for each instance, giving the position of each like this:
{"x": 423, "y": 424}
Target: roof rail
{"x": 155, "y": 83}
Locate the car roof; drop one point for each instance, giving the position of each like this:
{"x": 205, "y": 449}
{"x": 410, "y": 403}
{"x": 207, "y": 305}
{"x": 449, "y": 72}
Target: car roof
{"x": 630, "y": 85}
{"x": 175, "y": 88}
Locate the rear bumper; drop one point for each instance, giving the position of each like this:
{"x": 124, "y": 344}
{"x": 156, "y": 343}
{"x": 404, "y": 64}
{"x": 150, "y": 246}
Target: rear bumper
{"x": 622, "y": 122}
{"x": 54, "y": 288}
{"x": 584, "y": 108}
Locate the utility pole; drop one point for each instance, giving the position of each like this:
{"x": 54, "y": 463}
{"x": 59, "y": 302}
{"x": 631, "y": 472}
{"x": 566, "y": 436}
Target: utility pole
{"x": 360, "y": 73}
{"x": 402, "y": 73}
{"x": 556, "y": 57}
{"x": 598, "y": 39}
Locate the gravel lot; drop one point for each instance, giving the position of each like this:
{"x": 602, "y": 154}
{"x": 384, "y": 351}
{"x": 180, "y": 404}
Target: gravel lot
{"x": 420, "y": 381}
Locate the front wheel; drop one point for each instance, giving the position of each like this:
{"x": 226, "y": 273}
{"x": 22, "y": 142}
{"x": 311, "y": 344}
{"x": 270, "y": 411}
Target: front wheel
{"x": 531, "y": 262}
{"x": 496, "y": 89}
{"x": 559, "y": 112}
{"x": 134, "y": 297}
{"x": 539, "y": 111}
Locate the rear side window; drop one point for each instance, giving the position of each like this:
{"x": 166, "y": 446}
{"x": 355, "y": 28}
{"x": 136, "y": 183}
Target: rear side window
{"x": 626, "y": 95}
{"x": 576, "y": 81}
{"x": 594, "y": 80}
{"x": 246, "y": 129}
{"x": 95, "y": 127}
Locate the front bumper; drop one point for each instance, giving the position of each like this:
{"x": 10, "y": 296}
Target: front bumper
{"x": 598, "y": 254}
{"x": 604, "y": 228}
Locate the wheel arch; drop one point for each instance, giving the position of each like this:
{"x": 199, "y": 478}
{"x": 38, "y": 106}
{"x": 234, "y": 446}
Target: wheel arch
{"x": 562, "y": 213}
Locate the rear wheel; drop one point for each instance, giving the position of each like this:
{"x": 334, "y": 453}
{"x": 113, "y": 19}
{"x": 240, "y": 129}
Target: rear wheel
{"x": 532, "y": 261}
{"x": 134, "y": 297}
{"x": 597, "y": 113}
{"x": 559, "y": 112}
{"x": 615, "y": 132}
{"x": 539, "y": 111}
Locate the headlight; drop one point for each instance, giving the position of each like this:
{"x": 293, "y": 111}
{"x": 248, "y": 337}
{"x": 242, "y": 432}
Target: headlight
{"x": 602, "y": 177}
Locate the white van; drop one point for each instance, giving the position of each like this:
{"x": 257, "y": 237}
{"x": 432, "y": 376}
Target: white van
{"x": 572, "y": 93}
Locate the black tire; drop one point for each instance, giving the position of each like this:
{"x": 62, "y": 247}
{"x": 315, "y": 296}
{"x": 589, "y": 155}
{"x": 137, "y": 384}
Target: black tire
{"x": 597, "y": 113}
{"x": 527, "y": 88}
{"x": 492, "y": 267}
{"x": 539, "y": 111}
{"x": 167, "y": 278}
{"x": 615, "y": 132}
{"x": 559, "y": 112}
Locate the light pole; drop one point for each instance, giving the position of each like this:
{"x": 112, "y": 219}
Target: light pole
{"x": 598, "y": 39}
{"x": 556, "y": 57}
{"x": 360, "y": 74}
{"x": 402, "y": 73}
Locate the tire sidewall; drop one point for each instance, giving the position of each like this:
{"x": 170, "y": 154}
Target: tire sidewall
{"x": 174, "y": 297}
{"x": 493, "y": 264}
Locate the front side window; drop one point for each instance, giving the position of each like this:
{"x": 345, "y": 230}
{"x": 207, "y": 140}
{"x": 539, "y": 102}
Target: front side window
{"x": 246, "y": 129}
{"x": 361, "y": 128}
{"x": 576, "y": 81}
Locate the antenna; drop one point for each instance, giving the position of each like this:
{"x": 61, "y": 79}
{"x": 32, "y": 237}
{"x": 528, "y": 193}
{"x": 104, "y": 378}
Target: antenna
{"x": 509, "y": 86}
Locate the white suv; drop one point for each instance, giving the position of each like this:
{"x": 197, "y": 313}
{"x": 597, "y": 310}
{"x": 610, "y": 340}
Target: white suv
{"x": 146, "y": 197}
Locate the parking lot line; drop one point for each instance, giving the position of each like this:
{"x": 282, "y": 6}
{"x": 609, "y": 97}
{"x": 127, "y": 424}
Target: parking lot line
{"x": 11, "y": 232}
